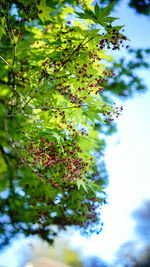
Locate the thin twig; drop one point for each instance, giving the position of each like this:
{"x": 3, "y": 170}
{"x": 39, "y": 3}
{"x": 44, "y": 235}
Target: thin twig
{"x": 38, "y": 89}
{"x": 14, "y": 54}
{"x": 14, "y": 42}
{"x": 5, "y": 61}
{"x": 14, "y": 57}
{"x": 43, "y": 108}
{"x": 51, "y": 107}
{"x": 53, "y": 77}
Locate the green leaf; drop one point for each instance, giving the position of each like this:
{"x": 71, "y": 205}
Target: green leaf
{"x": 89, "y": 12}
{"x": 106, "y": 10}
{"x": 82, "y": 15}
{"x": 118, "y": 28}
{"x": 91, "y": 187}
{"x": 95, "y": 187}
{"x": 110, "y": 19}
{"x": 44, "y": 11}
{"x": 81, "y": 183}
{"x": 97, "y": 10}
{"x": 2, "y": 27}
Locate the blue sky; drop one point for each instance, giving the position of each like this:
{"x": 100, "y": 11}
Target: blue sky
{"x": 127, "y": 159}
{"x": 127, "y": 155}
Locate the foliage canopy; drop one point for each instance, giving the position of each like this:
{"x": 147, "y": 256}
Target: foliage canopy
{"x": 52, "y": 77}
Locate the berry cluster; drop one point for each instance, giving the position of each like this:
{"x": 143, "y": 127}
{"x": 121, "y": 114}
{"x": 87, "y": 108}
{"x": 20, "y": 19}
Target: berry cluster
{"x": 113, "y": 41}
{"x": 116, "y": 113}
{"x": 85, "y": 215}
{"x": 49, "y": 155}
{"x": 74, "y": 98}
